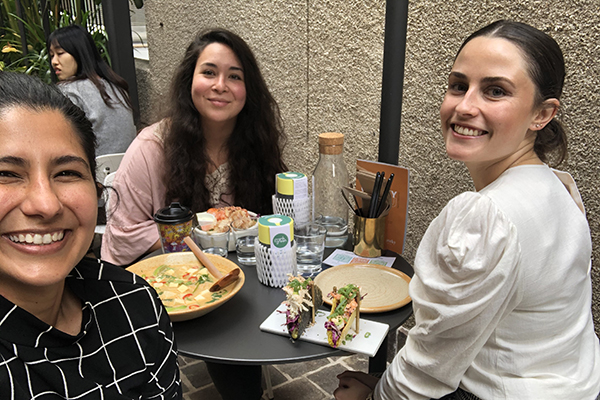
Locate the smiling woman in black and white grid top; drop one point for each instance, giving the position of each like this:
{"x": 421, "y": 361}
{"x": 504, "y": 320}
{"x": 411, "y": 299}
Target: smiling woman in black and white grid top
{"x": 70, "y": 327}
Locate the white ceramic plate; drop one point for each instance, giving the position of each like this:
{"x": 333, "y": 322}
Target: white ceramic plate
{"x": 366, "y": 341}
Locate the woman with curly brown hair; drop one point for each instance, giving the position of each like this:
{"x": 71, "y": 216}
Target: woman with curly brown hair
{"x": 218, "y": 145}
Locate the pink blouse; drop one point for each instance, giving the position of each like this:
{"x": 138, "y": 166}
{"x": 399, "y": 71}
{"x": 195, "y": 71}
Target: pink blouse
{"x": 130, "y": 229}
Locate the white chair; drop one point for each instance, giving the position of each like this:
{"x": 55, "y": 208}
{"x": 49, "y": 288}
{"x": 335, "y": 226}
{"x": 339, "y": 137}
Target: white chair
{"x": 100, "y": 229}
{"x": 108, "y": 180}
{"x": 107, "y": 164}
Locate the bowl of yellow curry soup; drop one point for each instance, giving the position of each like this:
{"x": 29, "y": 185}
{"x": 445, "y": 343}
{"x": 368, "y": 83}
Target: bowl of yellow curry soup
{"x": 183, "y": 283}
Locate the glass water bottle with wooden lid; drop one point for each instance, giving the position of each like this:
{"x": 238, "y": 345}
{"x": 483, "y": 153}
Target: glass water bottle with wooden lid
{"x": 329, "y": 208}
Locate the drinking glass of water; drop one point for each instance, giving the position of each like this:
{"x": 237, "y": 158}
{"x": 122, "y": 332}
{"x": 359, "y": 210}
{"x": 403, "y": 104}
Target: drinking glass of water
{"x": 244, "y": 244}
{"x": 213, "y": 242}
{"x": 310, "y": 242}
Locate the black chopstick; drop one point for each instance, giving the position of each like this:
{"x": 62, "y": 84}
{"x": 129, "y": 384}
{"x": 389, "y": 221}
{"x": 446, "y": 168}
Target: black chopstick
{"x": 386, "y": 191}
{"x": 375, "y": 194}
{"x": 358, "y": 209}
{"x": 348, "y": 202}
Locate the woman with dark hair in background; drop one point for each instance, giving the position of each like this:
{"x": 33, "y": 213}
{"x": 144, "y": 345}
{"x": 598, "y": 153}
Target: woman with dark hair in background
{"x": 220, "y": 144}
{"x": 502, "y": 287}
{"x": 70, "y": 326}
{"x": 93, "y": 86}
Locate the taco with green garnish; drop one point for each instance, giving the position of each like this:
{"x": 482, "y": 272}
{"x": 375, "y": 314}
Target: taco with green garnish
{"x": 345, "y": 312}
{"x": 303, "y": 298}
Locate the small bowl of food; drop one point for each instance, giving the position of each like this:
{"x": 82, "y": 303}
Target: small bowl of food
{"x": 218, "y": 220}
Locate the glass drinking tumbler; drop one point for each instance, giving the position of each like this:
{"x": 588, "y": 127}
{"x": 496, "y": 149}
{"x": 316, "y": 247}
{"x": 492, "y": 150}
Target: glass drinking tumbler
{"x": 213, "y": 242}
{"x": 310, "y": 241}
{"x": 244, "y": 244}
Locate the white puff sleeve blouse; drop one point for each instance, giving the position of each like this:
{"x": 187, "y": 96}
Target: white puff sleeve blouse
{"x": 502, "y": 297}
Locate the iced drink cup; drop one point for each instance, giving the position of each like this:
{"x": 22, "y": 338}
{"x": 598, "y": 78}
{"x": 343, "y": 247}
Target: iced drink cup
{"x": 174, "y": 223}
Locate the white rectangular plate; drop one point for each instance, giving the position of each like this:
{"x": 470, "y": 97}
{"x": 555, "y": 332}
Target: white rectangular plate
{"x": 366, "y": 342}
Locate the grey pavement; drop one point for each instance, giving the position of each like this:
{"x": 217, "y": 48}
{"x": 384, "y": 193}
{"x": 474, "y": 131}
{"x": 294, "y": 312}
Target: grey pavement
{"x": 309, "y": 380}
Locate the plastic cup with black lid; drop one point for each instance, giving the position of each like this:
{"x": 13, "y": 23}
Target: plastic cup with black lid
{"x": 174, "y": 223}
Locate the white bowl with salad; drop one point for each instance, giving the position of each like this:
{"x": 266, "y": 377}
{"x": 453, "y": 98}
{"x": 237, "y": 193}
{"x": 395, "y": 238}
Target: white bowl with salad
{"x": 216, "y": 219}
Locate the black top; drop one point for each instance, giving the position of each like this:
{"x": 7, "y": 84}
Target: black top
{"x": 125, "y": 348}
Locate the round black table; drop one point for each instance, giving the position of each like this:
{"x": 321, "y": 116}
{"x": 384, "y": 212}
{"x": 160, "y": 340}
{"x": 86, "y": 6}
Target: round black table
{"x": 231, "y": 333}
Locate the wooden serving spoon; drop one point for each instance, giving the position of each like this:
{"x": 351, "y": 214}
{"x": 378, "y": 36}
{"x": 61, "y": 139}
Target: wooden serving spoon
{"x": 222, "y": 280}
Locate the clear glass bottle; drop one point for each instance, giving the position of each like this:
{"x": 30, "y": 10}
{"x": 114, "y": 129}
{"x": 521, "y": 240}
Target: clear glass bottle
{"x": 329, "y": 208}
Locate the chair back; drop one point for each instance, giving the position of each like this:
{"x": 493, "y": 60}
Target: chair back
{"x": 106, "y": 164}
{"x": 108, "y": 180}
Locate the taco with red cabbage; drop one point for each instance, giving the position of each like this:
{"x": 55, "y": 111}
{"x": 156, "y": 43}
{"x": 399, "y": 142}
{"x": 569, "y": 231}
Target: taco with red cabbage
{"x": 345, "y": 312}
{"x": 303, "y": 298}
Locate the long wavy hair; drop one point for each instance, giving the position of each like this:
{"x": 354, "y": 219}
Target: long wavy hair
{"x": 254, "y": 147}
{"x": 546, "y": 70}
{"x": 76, "y": 41}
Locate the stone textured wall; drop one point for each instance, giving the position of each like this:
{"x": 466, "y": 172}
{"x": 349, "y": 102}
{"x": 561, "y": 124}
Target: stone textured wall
{"x": 323, "y": 59}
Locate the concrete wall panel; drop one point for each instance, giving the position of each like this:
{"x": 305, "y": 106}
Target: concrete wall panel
{"x": 344, "y": 76}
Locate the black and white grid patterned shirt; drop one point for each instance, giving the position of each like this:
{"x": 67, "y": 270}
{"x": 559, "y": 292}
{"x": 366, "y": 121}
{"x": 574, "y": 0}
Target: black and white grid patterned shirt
{"x": 125, "y": 349}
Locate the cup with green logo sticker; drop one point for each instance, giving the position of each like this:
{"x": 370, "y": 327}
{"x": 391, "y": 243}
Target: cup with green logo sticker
{"x": 275, "y": 250}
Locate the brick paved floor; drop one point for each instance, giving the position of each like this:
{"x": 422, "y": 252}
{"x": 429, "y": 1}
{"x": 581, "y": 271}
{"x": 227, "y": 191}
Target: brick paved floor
{"x": 310, "y": 380}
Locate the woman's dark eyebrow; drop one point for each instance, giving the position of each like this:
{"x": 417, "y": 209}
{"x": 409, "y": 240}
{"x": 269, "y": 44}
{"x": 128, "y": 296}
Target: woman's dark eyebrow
{"x": 21, "y": 162}
{"x": 458, "y": 75}
{"x": 209, "y": 64}
{"x": 70, "y": 159}
{"x": 488, "y": 79}
{"x": 18, "y": 161}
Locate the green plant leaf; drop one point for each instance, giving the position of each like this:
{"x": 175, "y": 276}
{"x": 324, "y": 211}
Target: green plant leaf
{"x": 34, "y": 60}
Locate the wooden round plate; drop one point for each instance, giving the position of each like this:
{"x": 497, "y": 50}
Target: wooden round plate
{"x": 383, "y": 288}
{"x": 184, "y": 260}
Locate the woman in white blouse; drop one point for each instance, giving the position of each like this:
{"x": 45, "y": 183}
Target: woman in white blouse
{"x": 502, "y": 285}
